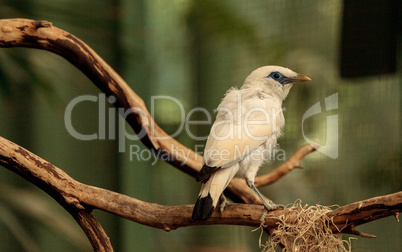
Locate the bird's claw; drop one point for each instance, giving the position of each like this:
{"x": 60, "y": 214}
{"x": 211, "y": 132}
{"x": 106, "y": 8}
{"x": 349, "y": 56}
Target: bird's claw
{"x": 222, "y": 203}
{"x": 271, "y": 206}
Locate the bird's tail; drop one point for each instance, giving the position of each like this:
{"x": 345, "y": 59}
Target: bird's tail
{"x": 211, "y": 191}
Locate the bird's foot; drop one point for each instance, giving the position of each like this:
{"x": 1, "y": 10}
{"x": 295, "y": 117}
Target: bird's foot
{"x": 271, "y": 206}
{"x": 222, "y": 203}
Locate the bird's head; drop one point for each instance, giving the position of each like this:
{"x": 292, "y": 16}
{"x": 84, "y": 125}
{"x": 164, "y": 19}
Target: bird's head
{"x": 274, "y": 80}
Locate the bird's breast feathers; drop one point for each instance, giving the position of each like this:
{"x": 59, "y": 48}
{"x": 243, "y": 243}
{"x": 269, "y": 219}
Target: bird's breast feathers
{"x": 245, "y": 121}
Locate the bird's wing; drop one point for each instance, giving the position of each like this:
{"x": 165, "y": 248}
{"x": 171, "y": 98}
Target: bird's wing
{"x": 235, "y": 134}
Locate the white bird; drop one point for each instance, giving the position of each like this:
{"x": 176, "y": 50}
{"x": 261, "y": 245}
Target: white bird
{"x": 244, "y": 135}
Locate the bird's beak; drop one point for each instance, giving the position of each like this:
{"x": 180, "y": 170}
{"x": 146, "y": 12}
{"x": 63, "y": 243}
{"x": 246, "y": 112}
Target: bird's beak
{"x": 301, "y": 78}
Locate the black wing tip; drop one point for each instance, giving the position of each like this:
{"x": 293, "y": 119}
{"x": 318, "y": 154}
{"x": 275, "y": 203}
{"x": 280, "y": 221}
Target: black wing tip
{"x": 205, "y": 173}
{"x": 203, "y": 208}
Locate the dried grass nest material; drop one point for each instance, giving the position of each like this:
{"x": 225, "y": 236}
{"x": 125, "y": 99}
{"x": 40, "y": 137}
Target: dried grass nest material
{"x": 308, "y": 231}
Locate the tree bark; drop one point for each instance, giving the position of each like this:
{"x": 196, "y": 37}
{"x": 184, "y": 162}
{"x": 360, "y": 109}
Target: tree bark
{"x": 75, "y": 196}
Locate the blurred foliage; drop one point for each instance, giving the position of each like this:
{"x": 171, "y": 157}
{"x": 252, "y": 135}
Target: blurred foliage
{"x": 16, "y": 66}
{"x": 17, "y": 205}
{"x": 210, "y": 20}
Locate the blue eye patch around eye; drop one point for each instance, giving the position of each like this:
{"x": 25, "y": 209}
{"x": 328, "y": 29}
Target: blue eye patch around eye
{"x": 279, "y": 78}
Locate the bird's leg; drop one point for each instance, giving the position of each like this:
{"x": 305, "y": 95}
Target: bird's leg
{"x": 222, "y": 203}
{"x": 269, "y": 206}
{"x": 262, "y": 219}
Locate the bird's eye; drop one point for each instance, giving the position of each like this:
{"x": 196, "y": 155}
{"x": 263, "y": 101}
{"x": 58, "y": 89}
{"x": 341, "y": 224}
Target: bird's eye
{"x": 276, "y": 76}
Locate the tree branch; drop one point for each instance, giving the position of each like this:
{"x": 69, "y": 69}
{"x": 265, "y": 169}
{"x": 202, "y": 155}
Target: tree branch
{"x": 75, "y": 196}
{"x": 293, "y": 162}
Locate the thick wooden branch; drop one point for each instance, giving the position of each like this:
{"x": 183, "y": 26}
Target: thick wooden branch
{"x": 75, "y": 196}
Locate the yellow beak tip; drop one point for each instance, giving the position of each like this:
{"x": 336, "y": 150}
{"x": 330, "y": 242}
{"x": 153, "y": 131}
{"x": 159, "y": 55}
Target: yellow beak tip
{"x": 302, "y": 78}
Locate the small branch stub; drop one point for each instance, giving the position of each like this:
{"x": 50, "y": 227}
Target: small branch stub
{"x": 42, "y": 23}
{"x": 352, "y": 230}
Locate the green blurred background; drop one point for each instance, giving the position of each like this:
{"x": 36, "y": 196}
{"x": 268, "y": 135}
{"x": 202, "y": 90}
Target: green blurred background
{"x": 194, "y": 51}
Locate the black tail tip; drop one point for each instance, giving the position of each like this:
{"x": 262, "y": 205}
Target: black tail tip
{"x": 203, "y": 208}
